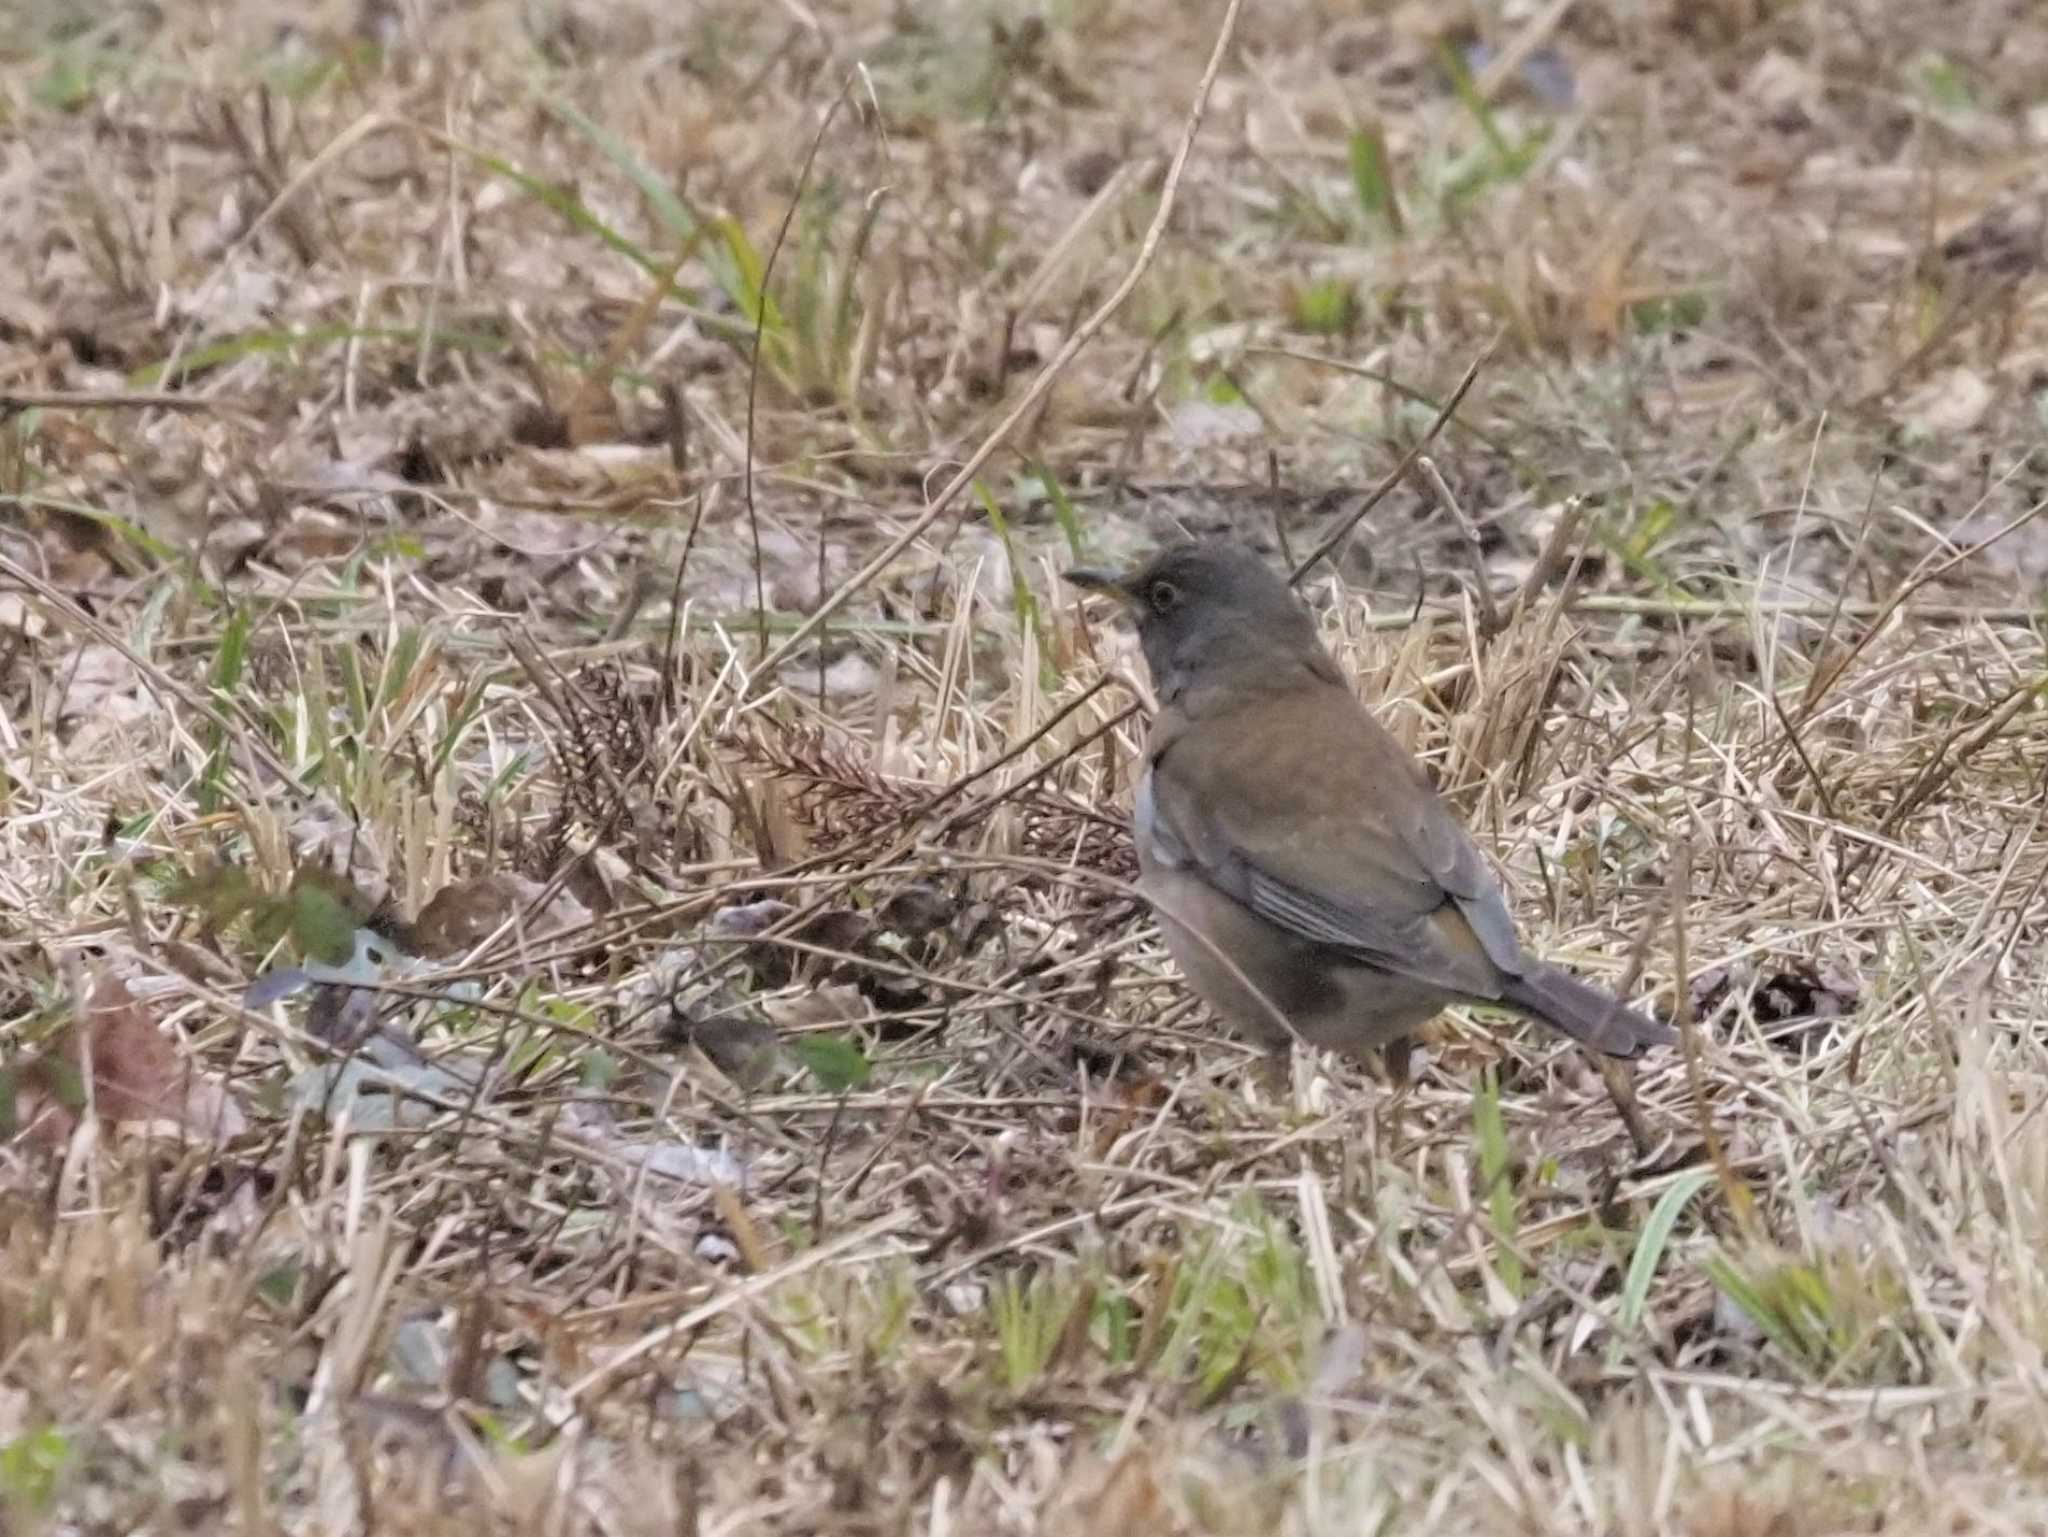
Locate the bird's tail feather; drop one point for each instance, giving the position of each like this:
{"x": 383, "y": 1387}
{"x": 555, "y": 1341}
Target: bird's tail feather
{"x": 1584, "y": 1012}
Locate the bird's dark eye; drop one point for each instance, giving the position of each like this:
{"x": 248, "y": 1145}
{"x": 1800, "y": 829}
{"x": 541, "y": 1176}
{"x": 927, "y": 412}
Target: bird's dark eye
{"x": 1162, "y": 597}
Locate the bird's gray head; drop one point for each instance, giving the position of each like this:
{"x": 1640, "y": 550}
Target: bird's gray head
{"x": 1209, "y": 608}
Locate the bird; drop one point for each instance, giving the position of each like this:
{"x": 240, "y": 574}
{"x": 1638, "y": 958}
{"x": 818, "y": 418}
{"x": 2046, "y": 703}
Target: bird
{"x": 1309, "y": 881}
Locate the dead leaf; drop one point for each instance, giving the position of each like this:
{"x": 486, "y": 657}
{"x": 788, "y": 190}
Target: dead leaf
{"x": 1951, "y": 403}
{"x": 309, "y": 536}
{"x": 2010, "y": 240}
{"x": 1122, "y": 1497}
{"x": 707, "y": 1013}
{"x": 465, "y": 913}
{"x": 1202, "y": 423}
{"x": 100, "y": 690}
{"x": 137, "y": 1074}
{"x": 739, "y": 1043}
{"x": 15, "y": 614}
{"x": 349, "y": 854}
{"x": 591, "y": 1122}
{"x": 918, "y": 909}
{"x": 22, "y": 316}
{"x": 743, "y": 920}
{"x": 838, "y": 929}
{"x": 1793, "y": 1004}
{"x": 836, "y": 1005}
{"x": 1785, "y": 93}
{"x": 1089, "y": 172}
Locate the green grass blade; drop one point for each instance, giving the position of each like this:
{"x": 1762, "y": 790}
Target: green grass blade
{"x": 1481, "y": 111}
{"x": 225, "y": 677}
{"x": 1651, "y": 1243}
{"x": 571, "y": 208}
{"x": 845, "y": 306}
{"x": 1062, "y": 509}
{"x": 113, "y": 522}
{"x": 661, "y": 197}
{"x": 404, "y": 656}
{"x": 1495, "y": 1168}
{"x": 1021, "y": 595}
{"x": 1372, "y": 177}
{"x": 251, "y": 343}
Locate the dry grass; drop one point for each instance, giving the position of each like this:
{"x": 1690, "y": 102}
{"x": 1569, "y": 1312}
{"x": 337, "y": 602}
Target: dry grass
{"x": 790, "y": 1123}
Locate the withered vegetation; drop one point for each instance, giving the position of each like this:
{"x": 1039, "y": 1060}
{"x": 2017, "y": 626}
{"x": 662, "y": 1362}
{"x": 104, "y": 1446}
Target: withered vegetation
{"x": 535, "y": 996}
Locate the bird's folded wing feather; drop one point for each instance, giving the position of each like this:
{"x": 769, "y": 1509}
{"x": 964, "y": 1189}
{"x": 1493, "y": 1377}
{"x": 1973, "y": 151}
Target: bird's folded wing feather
{"x": 1310, "y": 814}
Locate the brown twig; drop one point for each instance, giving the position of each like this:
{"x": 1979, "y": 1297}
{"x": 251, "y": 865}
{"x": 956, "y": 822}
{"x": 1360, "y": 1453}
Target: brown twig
{"x": 803, "y": 177}
{"x": 12, "y": 401}
{"x": 1042, "y": 385}
{"x": 1941, "y": 767}
{"x": 1490, "y": 622}
{"x": 1379, "y": 492}
{"x": 1556, "y": 557}
{"x": 159, "y": 682}
{"x": 705, "y": 497}
{"x": 1907, "y": 589}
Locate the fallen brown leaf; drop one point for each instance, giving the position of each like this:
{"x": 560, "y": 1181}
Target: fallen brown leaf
{"x": 136, "y": 1074}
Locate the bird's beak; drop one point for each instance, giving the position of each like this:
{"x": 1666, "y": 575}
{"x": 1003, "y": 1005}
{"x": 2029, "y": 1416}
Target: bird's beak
{"x": 1093, "y": 579}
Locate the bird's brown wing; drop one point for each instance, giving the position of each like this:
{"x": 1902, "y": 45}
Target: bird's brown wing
{"x": 1300, "y": 805}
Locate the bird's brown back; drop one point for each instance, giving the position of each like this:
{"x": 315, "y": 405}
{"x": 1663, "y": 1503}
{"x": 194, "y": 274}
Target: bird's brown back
{"x": 1295, "y": 784}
